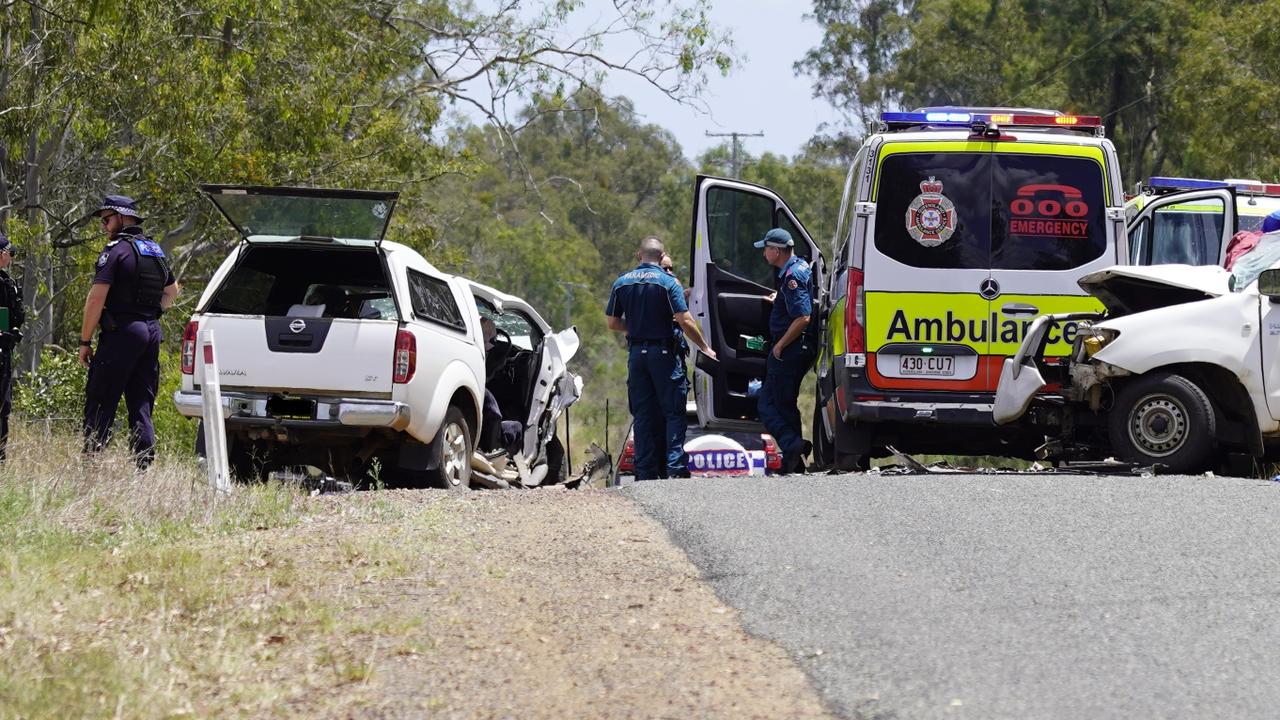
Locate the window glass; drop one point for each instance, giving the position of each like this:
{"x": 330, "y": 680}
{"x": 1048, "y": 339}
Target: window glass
{"x": 1049, "y": 213}
{"x": 848, "y": 201}
{"x": 1139, "y": 247}
{"x": 735, "y": 221}
{"x": 433, "y": 300}
{"x": 524, "y": 334}
{"x": 272, "y": 279}
{"x": 932, "y": 209}
{"x": 1187, "y": 233}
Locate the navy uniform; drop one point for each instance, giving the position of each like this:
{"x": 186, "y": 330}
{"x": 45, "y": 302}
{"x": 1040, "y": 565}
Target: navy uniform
{"x": 11, "y": 299}
{"x": 647, "y": 298}
{"x": 781, "y": 389}
{"x": 127, "y": 361}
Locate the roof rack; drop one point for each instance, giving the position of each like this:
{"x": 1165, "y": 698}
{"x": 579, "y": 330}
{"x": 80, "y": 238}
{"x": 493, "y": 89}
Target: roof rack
{"x": 989, "y": 124}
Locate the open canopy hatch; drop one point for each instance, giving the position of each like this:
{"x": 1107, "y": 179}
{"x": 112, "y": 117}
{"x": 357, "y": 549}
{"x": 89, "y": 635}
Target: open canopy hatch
{"x": 304, "y": 213}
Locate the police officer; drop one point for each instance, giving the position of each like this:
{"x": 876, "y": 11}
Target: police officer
{"x": 11, "y": 300}
{"x": 643, "y": 304}
{"x": 132, "y": 285}
{"x": 793, "y": 351}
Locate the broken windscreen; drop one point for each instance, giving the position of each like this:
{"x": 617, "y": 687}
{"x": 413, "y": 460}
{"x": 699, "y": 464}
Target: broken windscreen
{"x": 304, "y": 212}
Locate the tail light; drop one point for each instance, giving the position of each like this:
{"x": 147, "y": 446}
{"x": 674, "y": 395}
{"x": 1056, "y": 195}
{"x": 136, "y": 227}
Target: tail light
{"x": 406, "y": 357}
{"x": 189, "y": 347}
{"x": 855, "y": 320}
{"x": 627, "y": 463}
{"x": 772, "y": 458}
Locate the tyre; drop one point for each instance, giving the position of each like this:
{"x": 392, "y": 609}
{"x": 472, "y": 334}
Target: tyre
{"x": 852, "y": 450}
{"x": 823, "y": 451}
{"x": 452, "y": 449}
{"x": 557, "y": 468}
{"x": 1163, "y": 418}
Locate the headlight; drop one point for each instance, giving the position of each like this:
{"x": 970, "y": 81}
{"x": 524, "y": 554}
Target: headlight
{"x": 1093, "y": 339}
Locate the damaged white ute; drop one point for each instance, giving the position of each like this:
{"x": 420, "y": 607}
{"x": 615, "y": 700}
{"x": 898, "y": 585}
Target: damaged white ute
{"x": 1180, "y": 371}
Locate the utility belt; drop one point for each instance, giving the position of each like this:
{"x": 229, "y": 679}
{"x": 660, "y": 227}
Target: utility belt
{"x": 668, "y": 342}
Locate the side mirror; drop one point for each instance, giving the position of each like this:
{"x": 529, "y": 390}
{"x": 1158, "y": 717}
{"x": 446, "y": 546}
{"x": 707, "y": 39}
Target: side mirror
{"x": 1269, "y": 284}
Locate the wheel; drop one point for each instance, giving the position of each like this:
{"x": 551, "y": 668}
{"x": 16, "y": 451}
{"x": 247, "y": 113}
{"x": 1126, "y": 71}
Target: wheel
{"x": 557, "y": 468}
{"x": 824, "y": 453}
{"x": 453, "y": 449}
{"x": 852, "y": 450}
{"x": 1163, "y": 418}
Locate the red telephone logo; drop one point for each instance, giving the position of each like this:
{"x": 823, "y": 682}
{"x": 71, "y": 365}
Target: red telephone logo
{"x": 1047, "y": 207}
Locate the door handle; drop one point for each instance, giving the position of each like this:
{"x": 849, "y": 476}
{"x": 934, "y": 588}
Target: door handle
{"x": 1019, "y": 309}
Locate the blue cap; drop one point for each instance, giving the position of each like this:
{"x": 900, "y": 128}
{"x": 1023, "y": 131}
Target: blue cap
{"x": 1271, "y": 223}
{"x": 122, "y": 204}
{"x": 776, "y": 237}
{"x": 6, "y": 245}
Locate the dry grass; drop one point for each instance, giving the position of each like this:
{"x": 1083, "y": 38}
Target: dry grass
{"x": 146, "y": 595}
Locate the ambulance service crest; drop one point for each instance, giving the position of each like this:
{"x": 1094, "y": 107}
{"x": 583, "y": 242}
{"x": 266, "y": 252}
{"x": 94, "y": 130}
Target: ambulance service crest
{"x": 931, "y": 217}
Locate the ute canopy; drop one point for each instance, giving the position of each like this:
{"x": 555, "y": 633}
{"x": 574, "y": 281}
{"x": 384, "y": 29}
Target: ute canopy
{"x": 304, "y": 213}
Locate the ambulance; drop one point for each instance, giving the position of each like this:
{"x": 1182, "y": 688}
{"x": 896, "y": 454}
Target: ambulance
{"x": 1189, "y": 221}
{"x": 957, "y": 227}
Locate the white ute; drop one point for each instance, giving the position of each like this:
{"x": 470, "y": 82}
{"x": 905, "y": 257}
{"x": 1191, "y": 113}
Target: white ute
{"x": 1181, "y": 371}
{"x": 337, "y": 348}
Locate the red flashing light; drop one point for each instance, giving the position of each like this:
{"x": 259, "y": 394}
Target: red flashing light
{"x": 406, "y": 357}
{"x": 772, "y": 458}
{"x": 189, "y": 334}
{"x": 627, "y": 462}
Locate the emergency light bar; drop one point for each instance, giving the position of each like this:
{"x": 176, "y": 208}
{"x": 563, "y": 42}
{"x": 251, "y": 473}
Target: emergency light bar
{"x": 1169, "y": 184}
{"x": 895, "y": 120}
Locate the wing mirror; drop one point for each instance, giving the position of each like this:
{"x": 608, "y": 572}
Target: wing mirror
{"x": 1269, "y": 284}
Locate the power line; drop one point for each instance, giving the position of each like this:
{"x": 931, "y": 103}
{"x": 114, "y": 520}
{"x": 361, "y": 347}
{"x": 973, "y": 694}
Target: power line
{"x": 733, "y": 162}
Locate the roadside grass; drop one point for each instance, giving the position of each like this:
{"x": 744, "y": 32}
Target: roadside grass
{"x": 146, "y": 595}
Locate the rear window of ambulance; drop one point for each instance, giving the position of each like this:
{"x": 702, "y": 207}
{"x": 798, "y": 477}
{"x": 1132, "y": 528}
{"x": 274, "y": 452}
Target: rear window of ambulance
{"x": 1048, "y": 212}
{"x": 932, "y": 209}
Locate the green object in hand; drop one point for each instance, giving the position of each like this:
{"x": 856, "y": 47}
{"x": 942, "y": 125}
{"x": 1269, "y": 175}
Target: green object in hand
{"x": 4, "y": 319}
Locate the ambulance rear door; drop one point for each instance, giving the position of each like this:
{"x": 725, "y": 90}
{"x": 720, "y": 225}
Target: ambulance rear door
{"x": 728, "y": 289}
{"x": 1050, "y": 225}
{"x": 926, "y": 264}
{"x": 1192, "y": 227}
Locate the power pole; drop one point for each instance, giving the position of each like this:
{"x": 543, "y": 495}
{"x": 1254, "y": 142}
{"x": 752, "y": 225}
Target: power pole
{"x": 734, "y": 167}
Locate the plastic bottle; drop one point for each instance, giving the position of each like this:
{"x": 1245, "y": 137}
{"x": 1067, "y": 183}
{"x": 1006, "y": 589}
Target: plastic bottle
{"x": 753, "y": 387}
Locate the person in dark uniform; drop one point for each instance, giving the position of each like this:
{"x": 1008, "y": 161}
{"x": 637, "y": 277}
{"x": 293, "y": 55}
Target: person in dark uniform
{"x": 132, "y": 286}
{"x": 10, "y": 334}
{"x": 682, "y": 348}
{"x": 642, "y": 304}
{"x": 792, "y": 352}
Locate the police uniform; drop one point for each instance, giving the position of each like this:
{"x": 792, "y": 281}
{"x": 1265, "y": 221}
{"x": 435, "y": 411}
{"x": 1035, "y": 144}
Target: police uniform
{"x": 11, "y": 299}
{"x": 127, "y": 361}
{"x": 781, "y": 389}
{"x": 647, "y": 298}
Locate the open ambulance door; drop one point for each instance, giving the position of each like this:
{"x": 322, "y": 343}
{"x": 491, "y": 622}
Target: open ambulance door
{"x": 728, "y": 293}
{"x": 1191, "y": 227}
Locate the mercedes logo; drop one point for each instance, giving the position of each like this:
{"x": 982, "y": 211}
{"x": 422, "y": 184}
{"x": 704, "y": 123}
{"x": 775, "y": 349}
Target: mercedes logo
{"x": 989, "y": 289}
{"x": 298, "y": 325}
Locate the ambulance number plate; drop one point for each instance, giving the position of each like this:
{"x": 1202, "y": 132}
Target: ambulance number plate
{"x": 941, "y": 365}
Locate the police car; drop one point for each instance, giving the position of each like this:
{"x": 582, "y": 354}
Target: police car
{"x": 1190, "y": 220}
{"x": 956, "y": 228}
{"x": 337, "y": 347}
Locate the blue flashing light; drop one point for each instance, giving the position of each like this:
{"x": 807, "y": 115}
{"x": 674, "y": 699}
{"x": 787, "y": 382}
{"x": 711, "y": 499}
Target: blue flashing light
{"x": 1170, "y": 183}
{"x": 957, "y": 119}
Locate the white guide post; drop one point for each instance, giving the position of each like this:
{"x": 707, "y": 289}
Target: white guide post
{"x": 215, "y": 431}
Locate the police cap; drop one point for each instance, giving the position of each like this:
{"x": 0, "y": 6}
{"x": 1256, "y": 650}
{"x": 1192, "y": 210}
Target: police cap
{"x": 122, "y": 204}
{"x": 1271, "y": 223}
{"x": 776, "y": 237}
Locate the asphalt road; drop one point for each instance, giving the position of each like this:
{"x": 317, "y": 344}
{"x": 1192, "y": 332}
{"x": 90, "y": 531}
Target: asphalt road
{"x": 1001, "y": 596}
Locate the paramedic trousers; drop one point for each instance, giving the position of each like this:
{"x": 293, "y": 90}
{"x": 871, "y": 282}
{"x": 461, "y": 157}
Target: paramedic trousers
{"x": 127, "y": 362}
{"x": 780, "y": 393}
{"x": 656, "y": 391}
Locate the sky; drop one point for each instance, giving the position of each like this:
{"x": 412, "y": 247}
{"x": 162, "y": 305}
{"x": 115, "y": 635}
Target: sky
{"x": 761, "y": 94}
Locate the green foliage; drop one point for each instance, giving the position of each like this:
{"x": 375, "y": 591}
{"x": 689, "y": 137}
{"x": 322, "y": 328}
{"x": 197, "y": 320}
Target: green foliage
{"x": 54, "y": 393}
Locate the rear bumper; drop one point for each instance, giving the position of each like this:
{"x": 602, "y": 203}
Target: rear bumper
{"x": 251, "y": 409}
{"x": 943, "y": 413}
